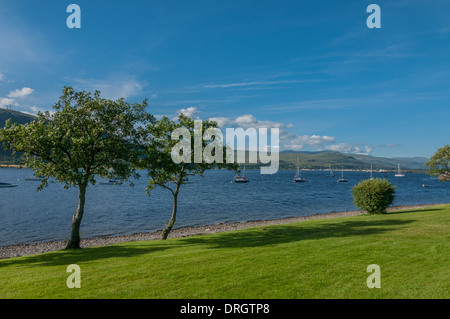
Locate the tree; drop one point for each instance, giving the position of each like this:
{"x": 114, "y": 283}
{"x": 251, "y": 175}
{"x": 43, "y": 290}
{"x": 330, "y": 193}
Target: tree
{"x": 84, "y": 138}
{"x": 373, "y": 195}
{"x": 168, "y": 169}
{"x": 439, "y": 163}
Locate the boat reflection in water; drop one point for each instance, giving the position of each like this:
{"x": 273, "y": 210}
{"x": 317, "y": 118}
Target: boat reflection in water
{"x": 7, "y": 185}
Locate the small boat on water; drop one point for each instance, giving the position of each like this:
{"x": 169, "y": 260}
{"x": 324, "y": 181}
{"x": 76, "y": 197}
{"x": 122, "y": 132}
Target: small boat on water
{"x": 110, "y": 182}
{"x": 297, "y": 178}
{"x": 342, "y": 179}
{"x": 7, "y": 185}
{"x": 399, "y": 172}
{"x": 241, "y": 178}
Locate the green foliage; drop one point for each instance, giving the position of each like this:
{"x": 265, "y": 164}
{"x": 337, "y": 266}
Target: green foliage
{"x": 83, "y": 138}
{"x": 86, "y": 137}
{"x": 439, "y": 163}
{"x": 158, "y": 161}
{"x": 163, "y": 171}
{"x": 373, "y": 195}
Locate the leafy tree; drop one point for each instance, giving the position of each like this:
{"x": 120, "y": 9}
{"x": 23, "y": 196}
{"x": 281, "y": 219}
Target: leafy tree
{"x": 163, "y": 171}
{"x": 373, "y": 195}
{"x": 84, "y": 138}
{"x": 439, "y": 163}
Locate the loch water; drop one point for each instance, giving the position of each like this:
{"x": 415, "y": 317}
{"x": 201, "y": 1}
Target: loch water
{"x": 28, "y": 216}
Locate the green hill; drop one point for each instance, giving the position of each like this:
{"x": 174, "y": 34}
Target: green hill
{"x": 322, "y": 160}
{"x": 16, "y": 116}
{"x": 325, "y": 159}
{"x": 6, "y": 157}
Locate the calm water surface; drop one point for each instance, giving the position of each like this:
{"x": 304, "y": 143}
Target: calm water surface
{"x": 28, "y": 216}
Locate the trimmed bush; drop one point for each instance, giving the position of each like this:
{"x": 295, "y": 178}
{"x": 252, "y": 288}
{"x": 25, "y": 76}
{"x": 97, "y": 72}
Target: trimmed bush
{"x": 373, "y": 195}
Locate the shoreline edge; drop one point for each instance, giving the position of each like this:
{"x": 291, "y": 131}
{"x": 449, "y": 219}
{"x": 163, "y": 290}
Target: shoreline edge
{"x": 18, "y": 250}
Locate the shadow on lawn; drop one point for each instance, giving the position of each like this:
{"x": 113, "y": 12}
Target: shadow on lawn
{"x": 415, "y": 210}
{"x": 280, "y": 234}
{"x": 75, "y": 256}
{"x": 259, "y": 236}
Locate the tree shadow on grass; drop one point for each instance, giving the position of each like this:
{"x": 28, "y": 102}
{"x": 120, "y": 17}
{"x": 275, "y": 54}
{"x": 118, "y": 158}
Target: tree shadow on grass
{"x": 75, "y": 256}
{"x": 258, "y": 236}
{"x": 280, "y": 234}
{"x": 415, "y": 210}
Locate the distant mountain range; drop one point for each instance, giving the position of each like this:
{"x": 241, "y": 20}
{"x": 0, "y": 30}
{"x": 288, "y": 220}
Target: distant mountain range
{"x": 288, "y": 159}
{"x": 324, "y": 159}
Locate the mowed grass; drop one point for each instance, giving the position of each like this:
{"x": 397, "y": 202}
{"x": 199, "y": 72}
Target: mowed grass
{"x": 323, "y": 258}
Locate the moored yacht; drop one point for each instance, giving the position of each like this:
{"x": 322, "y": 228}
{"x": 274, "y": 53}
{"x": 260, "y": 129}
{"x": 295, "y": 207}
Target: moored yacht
{"x": 342, "y": 179}
{"x": 241, "y": 178}
{"x": 399, "y": 172}
{"x": 297, "y": 178}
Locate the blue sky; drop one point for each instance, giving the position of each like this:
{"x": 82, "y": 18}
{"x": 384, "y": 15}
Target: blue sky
{"x": 311, "y": 68}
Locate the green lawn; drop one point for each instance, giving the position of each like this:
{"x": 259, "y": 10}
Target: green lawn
{"x": 323, "y": 258}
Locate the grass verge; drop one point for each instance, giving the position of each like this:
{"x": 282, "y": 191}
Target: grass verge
{"x": 323, "y": 258}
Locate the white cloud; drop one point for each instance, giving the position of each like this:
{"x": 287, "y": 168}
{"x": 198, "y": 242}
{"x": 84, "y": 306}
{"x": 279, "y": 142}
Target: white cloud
{"x": 5, "y": 102}
{"x": 2, "y": 77}
{"x": 222, "y": 121}
{"x": 112, "y": 88}
{"x": 350, "y": 148}
{"x": 246, "y": 84}
{"x": 246, "y": 121}
{"x": 23, "y": 92}
{"x": 297, "y": 142}
{"x": 35, "y": 110}
{"x": 288, "y": 140}
{"x": 190, "y": 112}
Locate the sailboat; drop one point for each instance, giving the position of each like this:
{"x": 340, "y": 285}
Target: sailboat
{"x": 399, "y": 172}
{"x": 371, "y": 175}
{"x": 297, "y": 178}
{"x": 342, "y": 179}
{"x": 241, "y": 179}
{"x": 111, "y": 181}
{"x": 331, "y": 174}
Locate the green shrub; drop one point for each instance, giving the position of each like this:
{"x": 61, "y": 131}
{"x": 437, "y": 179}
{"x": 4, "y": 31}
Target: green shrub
{"x": 373, "y": 195}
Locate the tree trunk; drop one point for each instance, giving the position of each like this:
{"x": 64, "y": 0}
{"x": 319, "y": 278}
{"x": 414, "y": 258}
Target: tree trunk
{"x": 165, "y": 232}
{"x": 74, "y": 241}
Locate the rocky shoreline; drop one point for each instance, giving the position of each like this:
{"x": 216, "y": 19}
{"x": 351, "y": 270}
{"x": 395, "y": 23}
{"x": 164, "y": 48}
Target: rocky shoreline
{"x": 37, "y": 248}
